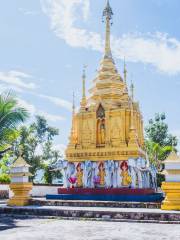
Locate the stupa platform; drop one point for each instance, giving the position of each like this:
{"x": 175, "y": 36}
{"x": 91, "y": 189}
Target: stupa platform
{"x": 108, "y": 191}
{"x": 94, "y": 213}
{"x": 88, "y": 203}
{"x": 107, "y": 194}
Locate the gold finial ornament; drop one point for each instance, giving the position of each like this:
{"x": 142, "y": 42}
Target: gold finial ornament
{"x": 107, "y": 14}
{"x": 132, "y": 91}
{"x": 73, "y": 130}
{"x": 125, "y": 71}
{"x": 73, "y": 104}
{"x": 125, "y": 77}
{"x": 83, "y": 101}
{"x": 132, "y": 103}
{"x": 84, "y": 81}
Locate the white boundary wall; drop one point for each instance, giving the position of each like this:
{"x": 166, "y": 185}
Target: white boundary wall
{"x": 37, "y": 191}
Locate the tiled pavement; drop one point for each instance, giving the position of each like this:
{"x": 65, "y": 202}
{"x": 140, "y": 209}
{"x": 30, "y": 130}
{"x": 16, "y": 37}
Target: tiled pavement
{"x": 54, "y": 229}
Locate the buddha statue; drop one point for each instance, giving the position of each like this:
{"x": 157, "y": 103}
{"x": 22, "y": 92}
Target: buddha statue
{"x": 79, "y": 175}
{"x": 102, "y": 174}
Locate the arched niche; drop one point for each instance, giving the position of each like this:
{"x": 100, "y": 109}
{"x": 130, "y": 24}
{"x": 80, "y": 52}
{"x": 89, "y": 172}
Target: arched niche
{"x": 101, "y": 126}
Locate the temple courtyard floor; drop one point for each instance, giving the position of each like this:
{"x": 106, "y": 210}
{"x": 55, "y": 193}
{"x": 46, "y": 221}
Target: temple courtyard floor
{"x": 12, "y": 228}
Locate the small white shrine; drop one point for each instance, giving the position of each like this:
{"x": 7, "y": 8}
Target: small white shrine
{"x": 20, "y": 184}
{"x": 171, "y": 186}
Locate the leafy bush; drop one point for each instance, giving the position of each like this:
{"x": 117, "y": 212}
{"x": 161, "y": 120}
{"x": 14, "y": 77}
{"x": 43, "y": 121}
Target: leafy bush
{"x": 160, "y": 179}
{"x": 4, "y": 178}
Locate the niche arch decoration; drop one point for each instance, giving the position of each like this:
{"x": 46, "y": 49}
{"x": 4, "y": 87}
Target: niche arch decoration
{"x": 101, "y": 126}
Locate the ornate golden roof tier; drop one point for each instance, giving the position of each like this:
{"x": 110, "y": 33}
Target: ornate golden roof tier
{"x": 108, "y": 85}
{"x": 109, "y": 124}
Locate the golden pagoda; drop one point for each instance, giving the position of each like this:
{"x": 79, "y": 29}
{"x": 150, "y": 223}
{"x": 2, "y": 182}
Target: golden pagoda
{"x": 109, "y": 124}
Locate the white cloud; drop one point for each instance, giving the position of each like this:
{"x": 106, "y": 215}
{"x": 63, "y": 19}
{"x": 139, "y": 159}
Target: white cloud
{"x": 35, "y": 111}
{"x": 6, "y": 88}
{"x": 157, "y": 49}
{"x": 58, "y": 101}
{"x": 50, "y": 117}
{"x": 62, "y": 14}
{"x": 17, "y": 80}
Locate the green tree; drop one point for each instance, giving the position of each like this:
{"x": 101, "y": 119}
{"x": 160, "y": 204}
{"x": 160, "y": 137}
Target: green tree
{"x": 157, "y": 131}
{"x": 159, "y": 142}
{"x": 5, "y": 163}
{"x": 11, "y": 116}
{"x": 50, "y": 173}
{"x": 36, "y": 142}
{"x": 157, "y": 153}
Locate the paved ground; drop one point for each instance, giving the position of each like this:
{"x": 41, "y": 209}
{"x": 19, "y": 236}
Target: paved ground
{"x": 54, "y": 229}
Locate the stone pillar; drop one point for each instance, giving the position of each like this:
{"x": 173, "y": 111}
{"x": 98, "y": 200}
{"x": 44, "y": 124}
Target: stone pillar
{"x": 171, "y": 186}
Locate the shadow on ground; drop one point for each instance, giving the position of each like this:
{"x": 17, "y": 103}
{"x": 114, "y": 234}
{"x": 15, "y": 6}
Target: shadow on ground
{"x": 7, "y": 223}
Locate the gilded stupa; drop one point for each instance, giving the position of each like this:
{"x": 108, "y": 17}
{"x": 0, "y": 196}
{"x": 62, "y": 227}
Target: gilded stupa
{"x": 109, "y": 124}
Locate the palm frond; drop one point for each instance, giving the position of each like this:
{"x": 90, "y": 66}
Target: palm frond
{"x": 11, "y": 116}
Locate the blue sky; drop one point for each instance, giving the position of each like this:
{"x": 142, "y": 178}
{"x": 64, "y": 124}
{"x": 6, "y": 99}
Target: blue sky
{"x": 45, "y": 43}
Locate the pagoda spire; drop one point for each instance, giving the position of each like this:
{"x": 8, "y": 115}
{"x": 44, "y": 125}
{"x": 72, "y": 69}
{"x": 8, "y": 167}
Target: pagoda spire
{"x": 72, "y": 136}
{"x": 83, "y": 101}
{"x": 133, "y": 139}
{"x": 73, "y": 105}
{"x": 132, "y": 91}
{"x": 132, "y": 100}
{"x": 107, "y": 14}
{"x": 84, "y": 82}
{"x": 125, "y": 71}
{"x": 125, "y": 77}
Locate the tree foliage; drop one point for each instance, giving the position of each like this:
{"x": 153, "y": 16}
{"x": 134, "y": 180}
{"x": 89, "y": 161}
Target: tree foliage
{"x": 159, "y": 142}
{"x": 11, "y": 115}
{"x": 5, "y": 163}
{"x": 157, "y": 131}
{"x": 36, "y": 141}
{"x": 157, "y": 153}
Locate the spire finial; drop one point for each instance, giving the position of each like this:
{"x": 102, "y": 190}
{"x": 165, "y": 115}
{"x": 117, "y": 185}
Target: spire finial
{"x": 73, "y": 105}
{"x": 132, "y": 90}
{"x": 132, "y": 100}
{"x": 107, "y": 14}
{"x": 83, "y": 101}
{"x": 84, "y": 82}
{"x": 125, "y": 71}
